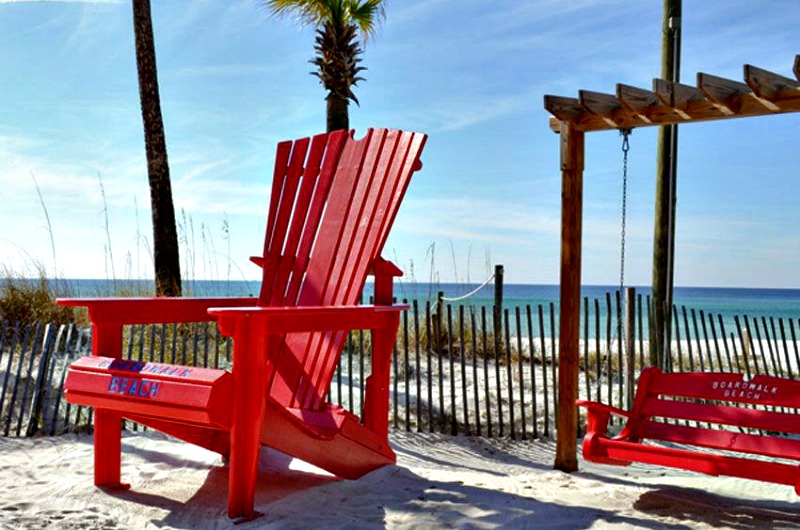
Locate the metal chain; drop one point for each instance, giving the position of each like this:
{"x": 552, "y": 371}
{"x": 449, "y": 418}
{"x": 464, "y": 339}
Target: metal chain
{"x": 625, "y": 148}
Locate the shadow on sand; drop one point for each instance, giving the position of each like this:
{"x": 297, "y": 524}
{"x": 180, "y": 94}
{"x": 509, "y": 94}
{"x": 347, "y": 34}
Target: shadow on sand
{"x": 389, "y": 497}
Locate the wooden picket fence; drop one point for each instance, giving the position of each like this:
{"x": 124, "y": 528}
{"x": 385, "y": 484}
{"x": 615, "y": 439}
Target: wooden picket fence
{"x": 457, "y": 369}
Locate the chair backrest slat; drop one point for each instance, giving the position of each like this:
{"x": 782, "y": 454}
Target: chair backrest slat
{"x": 334, "y": 201}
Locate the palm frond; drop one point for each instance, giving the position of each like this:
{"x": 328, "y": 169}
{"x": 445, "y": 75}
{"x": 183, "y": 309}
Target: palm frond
{"x": 365, "y": 14}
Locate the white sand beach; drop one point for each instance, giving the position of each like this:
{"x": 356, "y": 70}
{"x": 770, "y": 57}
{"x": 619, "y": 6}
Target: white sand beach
{"x": 438, "y": 482}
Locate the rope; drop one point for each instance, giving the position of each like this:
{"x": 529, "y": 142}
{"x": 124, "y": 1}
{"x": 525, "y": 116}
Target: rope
{"x": 471, "y": 293}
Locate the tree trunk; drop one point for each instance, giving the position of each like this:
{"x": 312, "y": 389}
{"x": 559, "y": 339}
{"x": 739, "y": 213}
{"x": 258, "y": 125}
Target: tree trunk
{"x": 165, "y": 236}
{"x": 338, "y": 118}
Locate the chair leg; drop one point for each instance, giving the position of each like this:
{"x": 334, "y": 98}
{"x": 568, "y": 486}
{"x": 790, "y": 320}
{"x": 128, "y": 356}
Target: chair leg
{"x": 249, "y": 364}
{"x": 108, "y": 449}
{"x": 376, "y": 401}
{"x": 243, "y": 471}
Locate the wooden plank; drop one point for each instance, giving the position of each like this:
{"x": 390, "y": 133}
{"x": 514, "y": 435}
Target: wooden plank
{"x": 608, "y": 107}
{"x": 676, "y": 95}
{"x": 285, "y": 254}
{"x": 772, "y": 446}
{"x": 333, "y": 153}
{"x": 703, "y": 462}
{"x": 638, "y": 100}
{"x": 732, "y": 387}
{"x": 598, "y": 103}
{"x": 688, "y": 102}
{"x": 725, "y": 93}
{"x": 753, "y": 105}
{"x": 563, "y": 108}
{"x": 769, "y": 85}
{"x": 722, "y": 414}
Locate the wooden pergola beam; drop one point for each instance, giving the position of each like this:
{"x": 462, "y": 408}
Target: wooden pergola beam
{"x": 564, "y": 109}
{"x": 638, "y": 100}
{"x": 725, "y": 93}
{"x": 714, "y": 98}
{"x": 769, "y": 85}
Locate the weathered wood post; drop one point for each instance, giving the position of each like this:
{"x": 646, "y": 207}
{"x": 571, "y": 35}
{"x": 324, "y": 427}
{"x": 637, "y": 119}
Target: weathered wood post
{"x": 665, "y": 199}
{"x": 437, "y": 322}
{"x": 572, "y": 155}
{"x": 497, "y": 310}
{"x": 630, "y": 341}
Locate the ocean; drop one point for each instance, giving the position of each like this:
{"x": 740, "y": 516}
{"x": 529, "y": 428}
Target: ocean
{"x": 725, "y": 302}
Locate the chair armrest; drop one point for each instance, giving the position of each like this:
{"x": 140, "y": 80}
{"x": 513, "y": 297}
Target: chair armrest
{"x": 279, "y": 320}
{"x": 596, "y": 406}
{"x": 598, "y": 415}
{"x": 251, "y": 328}
{"x": 121, "y": 311}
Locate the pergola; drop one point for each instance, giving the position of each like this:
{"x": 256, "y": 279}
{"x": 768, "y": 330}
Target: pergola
{"x": 714, "y": 98}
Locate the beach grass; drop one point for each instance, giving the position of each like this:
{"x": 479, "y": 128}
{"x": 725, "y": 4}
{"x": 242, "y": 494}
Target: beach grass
{"x": 28, "y": 299}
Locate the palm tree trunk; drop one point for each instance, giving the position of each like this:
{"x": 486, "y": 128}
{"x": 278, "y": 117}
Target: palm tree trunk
{"x": 165, "y": 236}
{"x": 338, "y": 117}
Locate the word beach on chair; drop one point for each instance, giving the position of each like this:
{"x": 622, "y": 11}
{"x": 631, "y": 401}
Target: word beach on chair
{"x": 333, "y": 201}
{"x": 713, "y": 423}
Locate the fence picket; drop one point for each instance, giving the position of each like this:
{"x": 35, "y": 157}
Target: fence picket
{"x": 15, "y": 387}
{"x": 7, "y": 377}
{"x": 534, "y": 407}
{"x": 510, "y": 377}
{"x": 487, "y": 392}
{"x": 36, "y": 345}
{"x": 462, "y": 351}
{"x": 452, "y": 375}
{"x": 520, "y": 359}
{"x": 474, "y": 378}
{"x": 544, "y": 374}
{"x": 586, "y": 346}
{"x": 417, "y": 356}
{"x": 475, "y": 386}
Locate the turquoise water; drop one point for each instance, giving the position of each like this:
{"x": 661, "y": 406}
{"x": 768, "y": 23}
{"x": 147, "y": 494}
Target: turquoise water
{"x": 725, "y": 302}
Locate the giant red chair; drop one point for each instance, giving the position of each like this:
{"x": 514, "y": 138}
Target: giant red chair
{"x": 333, "y": 201}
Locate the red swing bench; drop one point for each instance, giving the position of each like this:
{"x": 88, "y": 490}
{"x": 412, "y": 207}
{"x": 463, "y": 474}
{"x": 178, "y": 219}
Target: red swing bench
{"x": 333, "y": 201}
{"x": 712, "y": 423}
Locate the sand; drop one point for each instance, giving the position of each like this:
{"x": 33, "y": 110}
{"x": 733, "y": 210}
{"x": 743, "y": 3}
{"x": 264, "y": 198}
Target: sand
{"x": 438, "y": 482}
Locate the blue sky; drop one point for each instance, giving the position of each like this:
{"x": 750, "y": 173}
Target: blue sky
{"x": 470, "y": 73}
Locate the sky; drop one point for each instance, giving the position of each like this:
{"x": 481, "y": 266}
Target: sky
{"x": 471, "y": 74}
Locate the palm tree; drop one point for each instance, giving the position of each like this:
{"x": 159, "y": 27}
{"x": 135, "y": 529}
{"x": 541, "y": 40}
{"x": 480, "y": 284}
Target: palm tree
{"x": 165, "y": 235}
{"x": 338, "y": 24}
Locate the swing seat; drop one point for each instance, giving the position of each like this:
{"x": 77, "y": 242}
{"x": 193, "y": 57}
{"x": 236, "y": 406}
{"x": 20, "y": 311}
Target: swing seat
{"x": 677, "y": 417}
{"x": 333, "y": 201}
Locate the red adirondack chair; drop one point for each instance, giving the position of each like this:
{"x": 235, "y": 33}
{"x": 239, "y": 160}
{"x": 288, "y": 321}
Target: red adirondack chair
{"x": 333, "y": 202}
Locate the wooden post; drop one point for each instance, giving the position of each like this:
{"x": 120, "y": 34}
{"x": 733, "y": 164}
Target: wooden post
{"x": 666, "y": 172}
{"x": 499, "y": 271}
{"x": 630, "y": 340}
{"x": 572, "y": 155}
{"x": 437, "y": 321}
{"x": 497, "y": 311}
